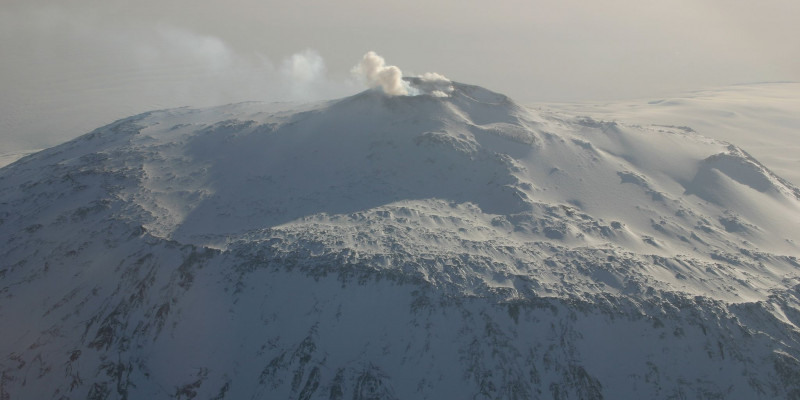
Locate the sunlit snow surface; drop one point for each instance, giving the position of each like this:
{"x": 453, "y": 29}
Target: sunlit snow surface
{"x": 762, "y": 118}
{"x": 397, "y": 247}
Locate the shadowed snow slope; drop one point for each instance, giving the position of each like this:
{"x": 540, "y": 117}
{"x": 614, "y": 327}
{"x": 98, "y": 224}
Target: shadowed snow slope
{"x": 396, "y": 247}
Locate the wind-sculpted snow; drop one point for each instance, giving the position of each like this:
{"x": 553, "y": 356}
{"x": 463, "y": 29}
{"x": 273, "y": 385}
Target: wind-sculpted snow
{"x": 402, "y": 247}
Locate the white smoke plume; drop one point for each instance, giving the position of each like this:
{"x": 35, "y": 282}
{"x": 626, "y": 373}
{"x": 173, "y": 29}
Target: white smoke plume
{"x": 373, "y": 71}
{"x": 434, "y": 84}
{"x": 74, "y": 70}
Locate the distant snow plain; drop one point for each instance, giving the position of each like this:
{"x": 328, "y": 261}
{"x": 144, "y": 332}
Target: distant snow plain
{"x": 761, "y": 118}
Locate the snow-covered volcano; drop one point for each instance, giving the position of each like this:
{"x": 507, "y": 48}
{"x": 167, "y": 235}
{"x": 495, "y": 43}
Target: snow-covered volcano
{"x": 403, "y": 247}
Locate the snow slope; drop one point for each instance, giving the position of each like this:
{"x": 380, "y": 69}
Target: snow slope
{"x": 762, "y": 118}
{"x": 8, "y": 158}
{"x": 397, "y": 247}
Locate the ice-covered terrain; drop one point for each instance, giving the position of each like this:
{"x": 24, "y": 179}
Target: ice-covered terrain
{"x": 410, "y": 247}
{"x": 762, "y": 118}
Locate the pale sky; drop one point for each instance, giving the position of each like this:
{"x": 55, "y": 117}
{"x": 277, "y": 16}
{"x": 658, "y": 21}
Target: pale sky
{"x": 70, "y": 66}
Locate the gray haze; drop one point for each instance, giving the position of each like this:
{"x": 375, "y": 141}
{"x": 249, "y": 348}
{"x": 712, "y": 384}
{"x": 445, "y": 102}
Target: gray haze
{"x": 67, "y": 67}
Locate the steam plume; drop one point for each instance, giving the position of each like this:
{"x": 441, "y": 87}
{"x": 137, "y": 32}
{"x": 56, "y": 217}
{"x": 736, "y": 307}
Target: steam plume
{"x": 434, "y": 84}
{"x": 375, "y": 72}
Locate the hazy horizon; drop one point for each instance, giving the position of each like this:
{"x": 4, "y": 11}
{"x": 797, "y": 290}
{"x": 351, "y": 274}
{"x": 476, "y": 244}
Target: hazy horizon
{"x": 70, "y": 68}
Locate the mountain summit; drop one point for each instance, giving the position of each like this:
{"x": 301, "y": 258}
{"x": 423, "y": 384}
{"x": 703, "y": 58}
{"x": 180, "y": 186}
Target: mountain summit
{"x": 444, "y": 245}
